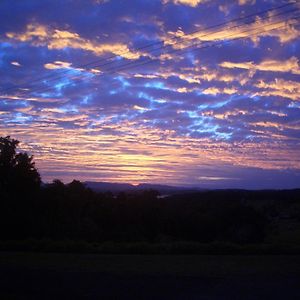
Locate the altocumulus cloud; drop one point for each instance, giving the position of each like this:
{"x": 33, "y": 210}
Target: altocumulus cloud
{"x": 86, "y": 94}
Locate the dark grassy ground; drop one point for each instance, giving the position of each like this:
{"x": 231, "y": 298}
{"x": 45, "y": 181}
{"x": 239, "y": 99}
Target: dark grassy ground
{"x": 95, "y": 276}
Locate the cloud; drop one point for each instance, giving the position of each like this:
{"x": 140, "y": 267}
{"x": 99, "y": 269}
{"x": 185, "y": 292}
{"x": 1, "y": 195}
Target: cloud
{"x": 284, "y": 30}
{"x": 192, "y": 3}
{"x": 215, "y": 91}
{"x": 40, "y": 35}
{"x": 191, "y": 117}
{"x": 34, "y": 99}
{"x": 67, "y": 65}
{"x": 33, "y": 32}
{"x": 15, "y": 63}
{"x": 57, "y": 65}
{"x": 244, "y": 2}
{"x": 280, "y": 87}
{"x": 290, "y": 65}
{"x": 281, "y": 84}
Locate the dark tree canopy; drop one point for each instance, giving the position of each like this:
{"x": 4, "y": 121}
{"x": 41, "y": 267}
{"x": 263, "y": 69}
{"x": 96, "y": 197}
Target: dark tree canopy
{"x": 17, "y": 170}
{"x": 59, "y": 211}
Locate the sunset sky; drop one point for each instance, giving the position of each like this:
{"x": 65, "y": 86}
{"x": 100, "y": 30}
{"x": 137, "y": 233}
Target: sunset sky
{"x": 181, "y": 92}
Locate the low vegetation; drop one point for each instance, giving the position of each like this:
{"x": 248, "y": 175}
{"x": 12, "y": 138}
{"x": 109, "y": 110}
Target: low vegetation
{"x": 70, "y": 217}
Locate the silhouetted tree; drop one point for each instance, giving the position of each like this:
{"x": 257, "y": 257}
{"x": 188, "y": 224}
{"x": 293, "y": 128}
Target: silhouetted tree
{"x": 17, "y": 170}
{"x": 19, "y": 186}
{"x": 7, "y": 160}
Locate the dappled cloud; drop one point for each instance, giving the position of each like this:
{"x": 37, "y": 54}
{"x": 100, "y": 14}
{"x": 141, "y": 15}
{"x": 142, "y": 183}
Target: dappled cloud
{"x": 128, "y": 95}
{"x": 290, "y": 65}
{"x": 192, "y": 3}
{"x": 40, "y": 35}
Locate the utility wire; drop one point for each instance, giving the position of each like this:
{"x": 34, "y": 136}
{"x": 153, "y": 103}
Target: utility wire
{"x": 45, "y": 89}
{"x": 201, "y": 48}
{"x": 150, "y": 45}
{"x": 198, "y": 43}
{"x": 212, "y": 44}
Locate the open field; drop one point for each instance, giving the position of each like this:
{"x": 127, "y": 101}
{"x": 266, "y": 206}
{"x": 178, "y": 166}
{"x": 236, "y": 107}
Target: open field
{"x": 88, "y": 276}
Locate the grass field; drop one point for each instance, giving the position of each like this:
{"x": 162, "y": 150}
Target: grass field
{"x": 94, "y": 276}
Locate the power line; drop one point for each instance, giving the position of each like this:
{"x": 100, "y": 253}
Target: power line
{"x": 196, "y": 44}
{"x": 213, "y": 44}
{"x": 197, "y": 31}
{"x": 57, "y": 76}
{"x": 175, "y": 50}
{"x": 204, "y": 47}
{"x": 195, "y": 38}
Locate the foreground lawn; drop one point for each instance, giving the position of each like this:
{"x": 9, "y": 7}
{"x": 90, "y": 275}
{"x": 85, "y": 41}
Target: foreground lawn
{"x": 94, "y": 276}
{"x": 186, "y": 265}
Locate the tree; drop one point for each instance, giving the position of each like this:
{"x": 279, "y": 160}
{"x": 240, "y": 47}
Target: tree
{"x": 17, "y": 170}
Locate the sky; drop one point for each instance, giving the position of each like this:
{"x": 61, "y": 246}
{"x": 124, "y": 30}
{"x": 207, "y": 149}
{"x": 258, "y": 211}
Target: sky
{"x": 180, "y": 92}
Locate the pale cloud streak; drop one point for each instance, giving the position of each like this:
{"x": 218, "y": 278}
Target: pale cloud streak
{"x": 290, "y": 65}
{"x": 216, "y": 91}
{"x": 192, "y": 3}
{"x": 284, "y": 30}
{"x": 41, "y": 35}
{"x": 58, "y": 65}
{"x": 245, "y": 2}
{"x": 33, "y": 99}
{"x": 283, "y": 88}
{"x": 15, "y": 63}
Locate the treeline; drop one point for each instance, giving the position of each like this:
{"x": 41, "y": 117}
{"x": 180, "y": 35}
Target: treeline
{"x": 58, "y": 211}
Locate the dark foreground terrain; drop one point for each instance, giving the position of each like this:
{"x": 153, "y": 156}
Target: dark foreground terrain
{"x": 92, "y": 276}
{"x": 37, "y": 219}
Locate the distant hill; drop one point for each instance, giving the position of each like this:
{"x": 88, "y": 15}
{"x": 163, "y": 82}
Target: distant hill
{"x": 108, "y": 186}
{"x": 126, "y": 187}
